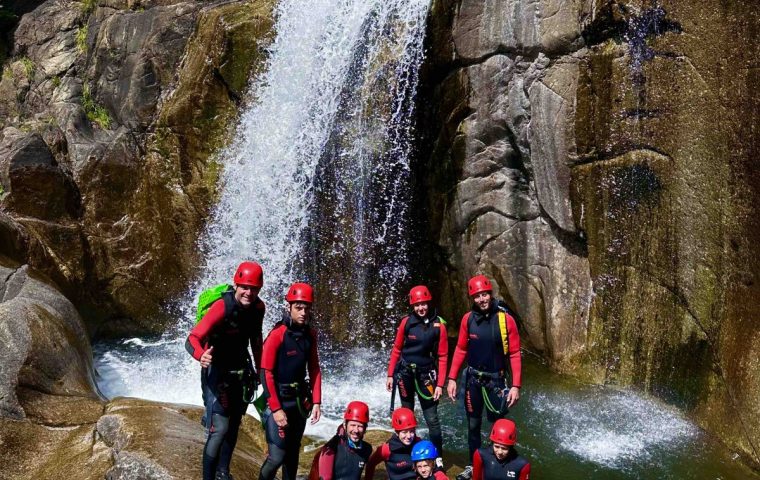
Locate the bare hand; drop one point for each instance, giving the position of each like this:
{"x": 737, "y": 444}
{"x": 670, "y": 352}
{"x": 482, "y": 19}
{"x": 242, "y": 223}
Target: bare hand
{"x": 280, "y": 418}
{"x": 206, "y": 357}
{"x": 437, "y": 394}
{"x": 451, "y": 389}
{"x": 389, "y": 384}
{"x": 316, "y": 414}
{"x": 513, "y": 396}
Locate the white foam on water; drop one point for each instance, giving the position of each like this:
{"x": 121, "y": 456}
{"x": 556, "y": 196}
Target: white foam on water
{"x": 161, "y": 371}
{"x": 608, "y": 427}
{"x": 353, "y": 374}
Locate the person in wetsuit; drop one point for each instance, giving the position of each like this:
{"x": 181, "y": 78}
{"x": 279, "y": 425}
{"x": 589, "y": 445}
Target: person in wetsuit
{"x": 219, "y": 341}
{"x": 501, "y": 461}
{"x": 419, "y": 358}
{"x": 396, "y": 452}
{"x": 344, "y": 456}
{"x": 289, "y": 349}
{"x": 489, "y": 341}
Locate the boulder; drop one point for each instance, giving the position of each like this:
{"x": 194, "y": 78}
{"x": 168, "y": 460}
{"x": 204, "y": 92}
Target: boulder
{"x": 47, "y": 351}
{"x": 53, "y": 422}
{"x": 34, "y": 185}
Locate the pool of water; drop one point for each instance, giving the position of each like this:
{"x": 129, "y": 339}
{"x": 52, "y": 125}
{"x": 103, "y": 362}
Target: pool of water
{"x": 567, "y": 429}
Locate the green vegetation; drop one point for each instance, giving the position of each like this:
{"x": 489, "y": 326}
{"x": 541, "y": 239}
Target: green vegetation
{"x": 95, "y": 113}
{"x": 7, "y": 72}
{"x": 88, "y": 6}
{"x": 82, "y": 39}
{"x": 56, "y": 81}
{"x": 28, "y": 66}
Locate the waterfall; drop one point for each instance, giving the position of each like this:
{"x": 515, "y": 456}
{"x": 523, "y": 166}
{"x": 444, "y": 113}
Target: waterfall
{"x": 315, "y": 183}
{"x": 314, "y": 187}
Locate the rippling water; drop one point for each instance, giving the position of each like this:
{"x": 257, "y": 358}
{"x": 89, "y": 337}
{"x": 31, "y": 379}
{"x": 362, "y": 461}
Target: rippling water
{"x": 568, "y": 430}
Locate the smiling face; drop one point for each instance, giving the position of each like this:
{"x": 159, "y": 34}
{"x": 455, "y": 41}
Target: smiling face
{"x": 245, "y": 295}
{"x": 355, "y": 430}
{"x": 300, "y": 312}
{"x": 406, "y": 436}
{"x": 482, "y": 300}
{"x": 421, "y": 309}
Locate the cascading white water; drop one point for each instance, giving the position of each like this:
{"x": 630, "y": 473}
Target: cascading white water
{"x": 319, "y": 87}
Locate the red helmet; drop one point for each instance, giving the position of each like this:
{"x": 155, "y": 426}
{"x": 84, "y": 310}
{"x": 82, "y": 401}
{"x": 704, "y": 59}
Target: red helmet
{"x": 403, "y": 419}
{"x": 300, "y": 292}
{"x": 504, "y": 432}
{"x": 477, "y": 284}
{"x": 250, "y": 274}
{"x": 357, "y": 411}
{"x": 418, "y": 294}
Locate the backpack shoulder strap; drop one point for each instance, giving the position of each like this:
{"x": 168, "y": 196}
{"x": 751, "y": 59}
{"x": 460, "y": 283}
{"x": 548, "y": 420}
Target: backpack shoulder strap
{"x": 504, "y": 331}
{"x": 229, "y": 302}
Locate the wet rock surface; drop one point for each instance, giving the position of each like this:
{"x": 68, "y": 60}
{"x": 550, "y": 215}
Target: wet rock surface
{"x": 54, "y": 424}
{"x": 595, "y": 159}
{"x": 111, "y": 114}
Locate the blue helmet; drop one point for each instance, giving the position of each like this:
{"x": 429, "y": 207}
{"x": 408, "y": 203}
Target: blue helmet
{"x": 424, "y": 450}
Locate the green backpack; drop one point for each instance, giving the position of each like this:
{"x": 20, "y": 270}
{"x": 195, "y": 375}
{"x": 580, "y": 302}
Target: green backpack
{"x": 208, "y": 297}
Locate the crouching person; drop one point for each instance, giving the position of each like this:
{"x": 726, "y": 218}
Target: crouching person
{"x": 501, "y": 461}
{"x": 424, "y": 456}
{"x": 344, "y": 456}
{"x": 396, "y": 452}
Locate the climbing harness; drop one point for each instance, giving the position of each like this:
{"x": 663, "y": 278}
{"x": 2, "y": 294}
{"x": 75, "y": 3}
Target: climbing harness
{"x": 420, "y": 392}
{"x": 294, "y": 390}
{"x": 485, "y": 379}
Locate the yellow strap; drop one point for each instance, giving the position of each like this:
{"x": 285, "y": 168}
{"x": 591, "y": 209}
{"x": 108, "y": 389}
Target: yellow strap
{"x": 504, "y": 332}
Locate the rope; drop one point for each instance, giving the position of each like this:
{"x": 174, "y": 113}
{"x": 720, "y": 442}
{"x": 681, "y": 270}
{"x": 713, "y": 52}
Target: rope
{"x": 487, "y": 401}
{"x": 417, "y": 385}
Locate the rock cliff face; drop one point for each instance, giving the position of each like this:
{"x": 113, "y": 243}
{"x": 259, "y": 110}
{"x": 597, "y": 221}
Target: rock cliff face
{"x": 54, "y": 424}
{"x": 110, "y": 115}
{"x": 596, "y": 159}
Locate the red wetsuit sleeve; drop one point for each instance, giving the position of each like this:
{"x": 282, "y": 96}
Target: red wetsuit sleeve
{"x": 443, "y": 355}
{"x": 196, "y": 341}
{"x": 381, "y": 454}
{"x": 439, "y": 475}
{"x": 525, "y": 472}
{"x": 460, "y": 352}
{"x": 256, "y": 339}
{"x": 477, "y": 466}
{"x": 269, "y": 363}
{"x": 326, "y": 463}
{"x": 398, "y": 344}
{"x": 515, "y": 359}
{"x": 315, "y": 374}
